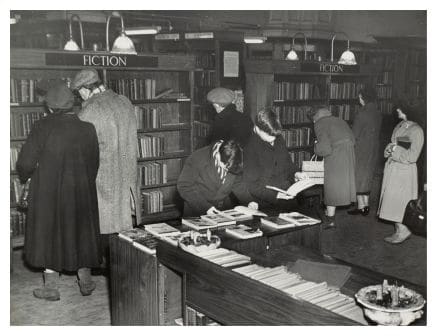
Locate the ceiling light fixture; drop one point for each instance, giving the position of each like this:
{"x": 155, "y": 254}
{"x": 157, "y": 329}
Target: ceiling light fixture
{"x": 122, "y": 44}
{"x": 71, "y": 44}
{"x": 149, "y": 30}
{"x": 292, "y": 55}
{"x": 347, "y": 57}
{"x": 199, "y": 35}
{"x": 254, "y": 39}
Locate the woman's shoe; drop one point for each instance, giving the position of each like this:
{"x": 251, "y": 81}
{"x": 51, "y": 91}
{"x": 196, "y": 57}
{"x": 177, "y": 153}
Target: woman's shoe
{"x": 364, "y": 211}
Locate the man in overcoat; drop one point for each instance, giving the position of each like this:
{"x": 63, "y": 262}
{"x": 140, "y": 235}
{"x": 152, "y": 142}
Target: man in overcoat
{"x": 113, "y": 116}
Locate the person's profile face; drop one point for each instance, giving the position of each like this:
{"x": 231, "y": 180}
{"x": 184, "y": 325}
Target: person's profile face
{"x": 84, "y": 93}
{"x": 264, "y": 136}
{"x": 360, "y": 98}
{"x": 401, "y": 115}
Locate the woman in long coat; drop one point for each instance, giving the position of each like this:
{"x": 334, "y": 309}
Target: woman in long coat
{"x": 61, "y": 156}
{"x": 335, "y": 143}
{"x": 399, "y": 184}
{"x": 366, "y": 128}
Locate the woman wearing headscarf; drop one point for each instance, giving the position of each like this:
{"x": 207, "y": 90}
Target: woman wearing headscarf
{"x": 366, "y": 128}
{"x": 61, "y": 156}
{"x": 335, "y": 143}
{"x": 399, "y": 184}
{"x": 209, "y": 177}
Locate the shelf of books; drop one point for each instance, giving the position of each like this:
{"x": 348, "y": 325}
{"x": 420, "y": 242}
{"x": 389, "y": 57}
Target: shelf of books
{"x": 160, "y": 86}
{"x": 293, "y": 88}
{"x": 416, "y": 75}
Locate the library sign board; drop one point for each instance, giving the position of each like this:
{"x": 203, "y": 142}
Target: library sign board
{"x": 327, "y": 67}
{"x": 101, "y": 60}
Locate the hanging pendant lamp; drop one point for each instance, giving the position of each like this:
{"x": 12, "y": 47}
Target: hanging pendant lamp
{"x": 292, "y": 55}
{"x": 122, "y": 44}
{"x": 71, "y": 44}
{"x": 347, "y": 57}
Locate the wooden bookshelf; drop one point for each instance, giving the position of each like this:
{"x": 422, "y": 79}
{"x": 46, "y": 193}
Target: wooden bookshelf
{"x": 293, "y": 85}
{"x": 127, "y": 73}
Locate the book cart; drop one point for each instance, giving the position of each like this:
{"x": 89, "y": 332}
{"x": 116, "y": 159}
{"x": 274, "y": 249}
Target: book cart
{"x": 159, "y": 86}
{"x": 293, "y": 87}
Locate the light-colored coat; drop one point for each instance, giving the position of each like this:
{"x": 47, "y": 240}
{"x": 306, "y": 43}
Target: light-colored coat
{"x": 335, "y": 143}
{"x": 399, "y": 184}
{"x": 113, "y": 117}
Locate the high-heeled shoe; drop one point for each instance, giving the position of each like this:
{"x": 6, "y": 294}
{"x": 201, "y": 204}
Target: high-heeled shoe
{"x": 364, "y": 211}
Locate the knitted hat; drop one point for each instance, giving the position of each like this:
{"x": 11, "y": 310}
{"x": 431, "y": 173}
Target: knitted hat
{"x": 85, "y": 77}
{"x": 221, "y": 96}
{"x": 59, "y": 97}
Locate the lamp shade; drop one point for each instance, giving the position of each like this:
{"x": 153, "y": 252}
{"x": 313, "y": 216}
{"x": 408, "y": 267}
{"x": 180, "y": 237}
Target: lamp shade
{"x": 292, "y": 56}
{"x": 347, "y": 58}
{"x": 71, "y": 45}
{"x": 123, "y": 45}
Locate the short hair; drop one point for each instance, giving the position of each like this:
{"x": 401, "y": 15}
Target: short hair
{"x": 312, "y": 111}
{"x": 268, "y": 121}
{"x": 231, "y": 154}
{"x": 413, "y": 113}
{"x": 368, "y": 94}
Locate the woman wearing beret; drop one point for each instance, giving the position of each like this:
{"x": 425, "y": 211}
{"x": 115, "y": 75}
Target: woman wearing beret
{"x": 366, "y": 128}
{"x": 399, "y": 184}
{"x": 209, "y": 177}
{"x": 267, "y": 162}
{"x": 228, "y": 122}
{"x": 335, "y": 143}
{"x": 61, "y": 156}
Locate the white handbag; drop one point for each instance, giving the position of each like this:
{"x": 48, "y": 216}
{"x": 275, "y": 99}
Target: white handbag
{"x": 314, "y": 169}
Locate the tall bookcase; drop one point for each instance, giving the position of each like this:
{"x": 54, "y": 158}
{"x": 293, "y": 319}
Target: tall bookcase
{"x": 293, "y": 87}
{"x": 161, "y": 88}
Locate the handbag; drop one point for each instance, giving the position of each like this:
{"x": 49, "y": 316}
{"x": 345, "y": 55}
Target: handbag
{"x": 314, "y": 169}
{"x": 415, "y": 215}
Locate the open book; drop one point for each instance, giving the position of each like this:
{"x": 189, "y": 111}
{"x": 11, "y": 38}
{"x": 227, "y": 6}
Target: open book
{"x": 244, "y": 232}
{"x": 295, "y": 188}
{"x": 291, "y": 219}
{"x": 241, "y": 213}
{"x": 161, "y": 229}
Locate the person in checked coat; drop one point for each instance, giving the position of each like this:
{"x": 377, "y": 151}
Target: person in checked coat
{"x": 366, "y": 128}
{"x": 61, "y": 157}
{"x": 335, "y": 143}
{"x": 113, "y": 116}
{"x": 399, "y": 184}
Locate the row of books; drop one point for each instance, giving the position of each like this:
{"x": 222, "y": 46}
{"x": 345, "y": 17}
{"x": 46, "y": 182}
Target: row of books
{"x": 293, "y": 114}
{"x": 22, "y": 123}
{"x": 385, "y": 77}
{"x": 24, "y": 91}
{"x": 416, "y": 90}
{"x": 417, "y": 56}
{"x": 299, "y": 156}
{"x": 15, "y": 150}
{"x": 416, "y": 73}
{"x": 16, "y": 189}
{"x": 134, "y": 88}
{"x": 148, "y": 117}
{"x": 296, "y": 91}
{"x": 205, "y": 79}
{"x": 18, "y": 222}
{"x": 153, "y": 201}
{"x": 384, "y": 92}
{"x": 345, "y": 111}
{"x": 201, "y": 129}
{"x": 205, "y": 61}
{"x": 345, "y": 90}
{"x": 297, "y": 137}
{"x": 150, "y": 146}
{"x": 195, "y": 318}
{"x": 294, "y": 285}
{"x": 385, "y": 106}
{"x": 386, "y": 60}
{"x": 152, "y": 173}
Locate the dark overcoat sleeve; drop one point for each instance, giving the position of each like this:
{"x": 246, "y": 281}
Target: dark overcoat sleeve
{"x": 187, "y": 186}
{"x": 94, "y": 152}
{"x": 30, "y": 153}
{"x": 241, "y": 191}
{"x": 323, "y": 146}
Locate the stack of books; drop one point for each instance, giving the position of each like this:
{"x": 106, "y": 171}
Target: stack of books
{"x": 141, "y": 239}
{"x": 286, "y": 220}
{"x": 244, "y": 232}
{"x": 224, "y": 257}
{"x": 297, "y": 287}
{"x": 166, "y": 232}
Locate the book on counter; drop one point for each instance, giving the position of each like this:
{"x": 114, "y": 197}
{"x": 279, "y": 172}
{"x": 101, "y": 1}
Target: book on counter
{"x": 299, "y": 219}
{"x": 197, "y": 223}
{"x": 141, "y": 239}
{"x": 241, "y": 213}
{"x": 218, "y": 219}
{"x": 244, "y": 232}
{"x": 161, "y": 229}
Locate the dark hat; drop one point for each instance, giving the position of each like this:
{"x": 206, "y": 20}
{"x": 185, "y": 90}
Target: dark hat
{"x": 221, "y": 96}
{"x": 59, "y": 97}
{"x": 85, "y": 77}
